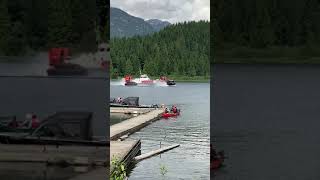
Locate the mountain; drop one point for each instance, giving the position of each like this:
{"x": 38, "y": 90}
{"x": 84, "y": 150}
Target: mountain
{"x": 123, "y": 24}
{"x": 158, "y": 24}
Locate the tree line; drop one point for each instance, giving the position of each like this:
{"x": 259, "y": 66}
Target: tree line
{"x": 180, "y": 49}
{"x": 35, "y": 25}
{"x": 265, "y": 23}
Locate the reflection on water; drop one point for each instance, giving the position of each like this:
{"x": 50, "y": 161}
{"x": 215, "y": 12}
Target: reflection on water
{"x": 36, "y": 65}
{"x": 266, "y": 118}
{"x": 190, "y": 130}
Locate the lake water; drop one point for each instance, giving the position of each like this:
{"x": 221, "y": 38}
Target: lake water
{"x": 190, "y": 130}
{"x": 267, "y": 118}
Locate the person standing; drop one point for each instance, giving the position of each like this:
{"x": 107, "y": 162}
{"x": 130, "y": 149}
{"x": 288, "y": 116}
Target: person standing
{"x": 35, "y": 123}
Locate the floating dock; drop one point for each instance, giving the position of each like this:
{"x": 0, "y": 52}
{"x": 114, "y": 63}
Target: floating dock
{"x": 124, "y": 151}
{"x": 132, "y": 125}
{"x": 125, "y": 110}
{"x": 127, "y": 150}
{"x": 51, "y": 154}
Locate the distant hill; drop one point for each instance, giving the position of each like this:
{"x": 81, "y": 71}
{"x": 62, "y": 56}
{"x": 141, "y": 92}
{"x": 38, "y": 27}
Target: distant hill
{"x": 123, "y": 24}
{"x": 158, "y": 24}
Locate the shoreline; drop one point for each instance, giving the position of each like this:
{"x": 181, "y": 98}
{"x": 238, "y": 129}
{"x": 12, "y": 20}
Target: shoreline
{"x": 181, "y": 80}
{"x": 266, "y": 60}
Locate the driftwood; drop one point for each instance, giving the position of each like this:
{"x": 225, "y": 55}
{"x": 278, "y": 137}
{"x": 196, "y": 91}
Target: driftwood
{"x": 155, "y": 152}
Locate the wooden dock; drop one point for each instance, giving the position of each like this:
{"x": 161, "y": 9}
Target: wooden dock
{"x": 97, "y": 174}
{"x": 132, "y": 125}
{"x": 130, "y": 110}
{"x": 51, "y": 154}
{"x": 125, "y": 151}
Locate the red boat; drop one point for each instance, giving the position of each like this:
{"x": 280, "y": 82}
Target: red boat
{"x": 59, "y": 65}
{"x": 128, "y": 81}
{"x": 167, "y": 115}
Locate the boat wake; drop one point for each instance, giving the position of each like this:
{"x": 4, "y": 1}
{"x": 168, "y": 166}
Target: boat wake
{"x": 161, "y": 83}
{"x": 118, "y": 82}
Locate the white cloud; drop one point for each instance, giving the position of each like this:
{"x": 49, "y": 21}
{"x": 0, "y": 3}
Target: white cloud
{"x": 170, "y": 10}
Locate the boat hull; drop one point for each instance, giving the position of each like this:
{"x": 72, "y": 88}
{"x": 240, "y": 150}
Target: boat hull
{"x": 167, "y": 115}
{"x": 130, "y": 83}
{"x": 67, "y": 70}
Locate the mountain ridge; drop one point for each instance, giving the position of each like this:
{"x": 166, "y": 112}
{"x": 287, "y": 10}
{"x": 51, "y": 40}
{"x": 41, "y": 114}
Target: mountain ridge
{"x": 122, "y": 24}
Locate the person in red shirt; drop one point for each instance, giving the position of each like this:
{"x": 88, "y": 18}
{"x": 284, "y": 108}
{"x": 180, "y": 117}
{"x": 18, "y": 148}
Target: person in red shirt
{"x": 174, "y": 109}
{"x": 35, "y": 123}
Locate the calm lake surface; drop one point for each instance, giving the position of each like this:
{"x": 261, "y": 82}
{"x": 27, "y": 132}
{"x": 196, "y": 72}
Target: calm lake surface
{"x": 267, "y": 119}
{"x": 190, "y": 130}
{"x": 45, "y": 96}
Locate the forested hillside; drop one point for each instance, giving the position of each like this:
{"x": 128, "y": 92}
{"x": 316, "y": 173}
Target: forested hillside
{"x": 34, "y": 25}
{"x": 291, "y": 26}
{"x": 180, "y": 50}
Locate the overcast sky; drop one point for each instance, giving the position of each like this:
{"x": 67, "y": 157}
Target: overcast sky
{"x": 169, "y": 10}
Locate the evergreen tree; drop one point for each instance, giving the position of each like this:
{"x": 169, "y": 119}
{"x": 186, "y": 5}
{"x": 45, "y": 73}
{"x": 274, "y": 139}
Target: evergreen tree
{"x": 60, "y": 23}
{"x": 4, "y": 26}
{"x": 175, "y": 50}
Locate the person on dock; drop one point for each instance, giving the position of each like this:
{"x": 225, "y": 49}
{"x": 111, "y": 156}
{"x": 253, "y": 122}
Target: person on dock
{"x": 27, "y": 122}
{"x": 35, "y": 123}
{"x": 119, "y": 100}
{"x": 13, "y": 123}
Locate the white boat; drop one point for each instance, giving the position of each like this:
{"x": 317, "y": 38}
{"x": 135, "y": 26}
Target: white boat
{"x": 144, "y": 80}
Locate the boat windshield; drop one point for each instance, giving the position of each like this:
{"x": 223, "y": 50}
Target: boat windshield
{"x": 143, "y": 76}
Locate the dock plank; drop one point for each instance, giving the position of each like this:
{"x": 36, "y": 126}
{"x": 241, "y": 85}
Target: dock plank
{"x": 131, "y": 125}
{"x": 43, "y": 154}
{"x": 130, "y": 110}
{"x": 125, "y": 151}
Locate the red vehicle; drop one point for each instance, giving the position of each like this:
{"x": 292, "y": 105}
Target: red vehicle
{"x": 128, "y": 81}
{"x": 171, "y": 114}
{"x": 58, "y": 64}
{"x": 167, "y": 115}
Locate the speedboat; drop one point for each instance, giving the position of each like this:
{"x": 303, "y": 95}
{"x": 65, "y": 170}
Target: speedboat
{"x": 171, "y": 83}
{"x": 128, "y": 102}
{"x": 144, "y": 80}
{"x": 61, "y": 128}
{"x": 59, "y": 65}
{"x": 128, "y": 81}
{"x": 165, "y": 80}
